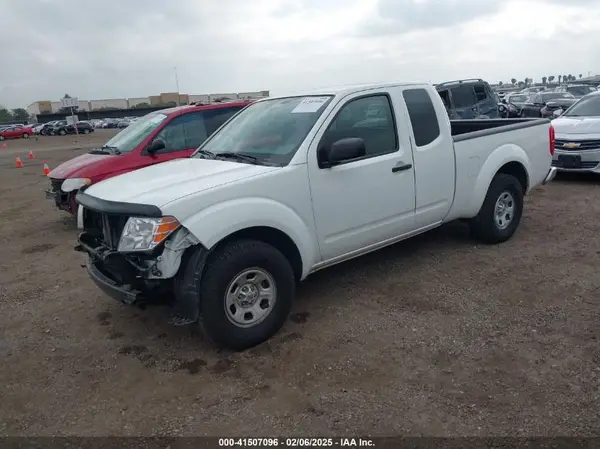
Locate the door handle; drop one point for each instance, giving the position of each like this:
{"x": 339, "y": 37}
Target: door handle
{"x": 403, "y": 167}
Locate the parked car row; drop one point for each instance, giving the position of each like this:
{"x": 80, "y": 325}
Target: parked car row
{"x": 61, "y": 128}
{"x": 262, "y": 194}
{"x": 110, "y": 123}
{"x": 15, "y": 132}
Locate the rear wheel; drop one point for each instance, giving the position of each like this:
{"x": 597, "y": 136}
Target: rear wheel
{"x": 62, "y": 132}
{"x": 500, "y": 214}
{"x": 246, "y": 293}
{"x": 1, "y": 138}
{"x": 86, "y": 131}
{"x": 25, "y": 136}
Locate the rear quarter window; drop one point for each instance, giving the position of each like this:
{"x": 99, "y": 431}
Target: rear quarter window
{"x": 424, "y": 121}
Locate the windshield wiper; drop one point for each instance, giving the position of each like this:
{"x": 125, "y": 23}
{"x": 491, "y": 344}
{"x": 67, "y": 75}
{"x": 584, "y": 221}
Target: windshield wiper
{"x": 240, "y": 157}
{"x": 114, "y": 150}
{"x": 208, "y": 154}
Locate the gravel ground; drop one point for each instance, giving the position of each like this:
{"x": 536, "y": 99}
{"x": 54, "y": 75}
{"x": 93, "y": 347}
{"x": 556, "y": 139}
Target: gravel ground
{"x": 436, "y": 336}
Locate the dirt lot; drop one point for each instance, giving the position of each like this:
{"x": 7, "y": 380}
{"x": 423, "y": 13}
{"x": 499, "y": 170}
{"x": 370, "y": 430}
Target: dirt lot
{"x": 435, "y": 336}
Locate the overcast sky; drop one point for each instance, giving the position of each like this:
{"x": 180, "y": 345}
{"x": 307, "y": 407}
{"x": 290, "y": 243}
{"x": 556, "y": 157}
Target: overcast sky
{"x": 127, "y": 48}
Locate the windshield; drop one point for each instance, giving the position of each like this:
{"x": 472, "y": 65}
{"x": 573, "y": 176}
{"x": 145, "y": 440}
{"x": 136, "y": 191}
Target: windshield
{"x": 270, "y": 131}
{"x": 580, "y": 90}
{"x": 586, "y": 107}
{"x": 518, "y": 98}
{"x": 128, "y": 139}
{"x": 553, "y": 95}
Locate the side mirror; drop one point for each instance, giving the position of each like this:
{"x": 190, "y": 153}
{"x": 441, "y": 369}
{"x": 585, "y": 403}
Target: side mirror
{"x": 340, "y": 151}
{"x": 557, "y": 113}
{"x": 155, "y": 146}
{"x": 552, "y": 104}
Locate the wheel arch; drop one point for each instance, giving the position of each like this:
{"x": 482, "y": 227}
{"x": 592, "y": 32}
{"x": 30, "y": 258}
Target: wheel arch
{"x": 272, "y": 236}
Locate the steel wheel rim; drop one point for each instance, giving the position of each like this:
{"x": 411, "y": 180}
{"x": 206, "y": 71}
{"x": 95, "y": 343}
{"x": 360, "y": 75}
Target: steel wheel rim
{"x": 504, "y": 211}
{"x": 250, "y": 297}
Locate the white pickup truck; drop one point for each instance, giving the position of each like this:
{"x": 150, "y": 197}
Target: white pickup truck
{"x": 291, "y": 185}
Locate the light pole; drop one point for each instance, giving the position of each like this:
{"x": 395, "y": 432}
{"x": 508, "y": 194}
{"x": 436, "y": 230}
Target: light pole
{"x": 176, "y": 84}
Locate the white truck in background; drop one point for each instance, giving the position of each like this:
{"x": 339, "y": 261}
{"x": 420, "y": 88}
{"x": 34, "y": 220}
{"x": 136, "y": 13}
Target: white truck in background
{"x": 291, "y": 185}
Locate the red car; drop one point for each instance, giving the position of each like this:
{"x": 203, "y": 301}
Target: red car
{"x": 16, "y": 132}
{"x": 157, "y": 137}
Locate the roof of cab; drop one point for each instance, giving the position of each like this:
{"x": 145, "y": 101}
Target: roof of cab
{"x": 345, "y": 89}
{"x": 177, "y": 110}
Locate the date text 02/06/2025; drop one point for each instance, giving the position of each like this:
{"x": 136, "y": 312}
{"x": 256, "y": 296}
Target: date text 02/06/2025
{"x": 296, "y": 442}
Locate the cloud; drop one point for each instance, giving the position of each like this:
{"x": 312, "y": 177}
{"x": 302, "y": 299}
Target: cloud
{"x": 395, "y": 17}
{"x": 128, "y": 48}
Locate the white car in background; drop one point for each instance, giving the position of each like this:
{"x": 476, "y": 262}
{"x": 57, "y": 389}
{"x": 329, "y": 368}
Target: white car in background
{"x": 577, "y": 145}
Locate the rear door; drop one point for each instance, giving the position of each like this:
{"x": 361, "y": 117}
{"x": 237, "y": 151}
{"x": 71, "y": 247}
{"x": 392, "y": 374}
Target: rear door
{"x": 433, "y": 155}
{"x": 185, "y": 133}
{"x": 487, "y": 105}
{"x": 464, "y": 102}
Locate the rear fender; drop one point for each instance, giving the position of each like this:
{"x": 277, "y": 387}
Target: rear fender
{"x": 213, "y": 224}
{"x": 500, "y": 156}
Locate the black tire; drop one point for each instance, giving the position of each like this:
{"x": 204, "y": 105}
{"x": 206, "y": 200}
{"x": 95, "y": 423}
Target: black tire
{"x": 43, "y": 133}
{"x": 221, "y": 269}
{"x": 484, "y": 226}
{"x": 25, "y": 136}
{"x": 86, "y": 131}
{"x": 62, "y": 132}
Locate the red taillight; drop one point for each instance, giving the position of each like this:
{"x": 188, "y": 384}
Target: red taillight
{"x": 552, "y": 140}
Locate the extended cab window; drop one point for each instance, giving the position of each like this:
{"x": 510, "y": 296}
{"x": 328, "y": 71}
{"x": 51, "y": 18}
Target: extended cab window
{"x": 369, "y": 118}
{"x": 423, "y": 118}
{"x": 183, "y": 132}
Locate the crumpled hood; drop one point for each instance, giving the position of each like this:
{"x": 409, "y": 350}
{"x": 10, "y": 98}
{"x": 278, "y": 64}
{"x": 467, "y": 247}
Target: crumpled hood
{"x": 76, "y": 167}
{"x": 162, "y": 183}
{"x": 577, "y": 125}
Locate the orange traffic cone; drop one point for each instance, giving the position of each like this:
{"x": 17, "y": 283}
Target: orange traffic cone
{"x": 46, "y": 169}
{"x": 19, "y": 163}
{"x": 31, "y": 156}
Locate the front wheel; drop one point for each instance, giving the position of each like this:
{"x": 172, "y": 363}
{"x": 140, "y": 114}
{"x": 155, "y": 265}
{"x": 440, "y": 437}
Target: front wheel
{"x": 246, "y": 294}
{"x": 500, "y": 214}
{"x": 86, "y": 131}
{"x": 62, "y": 132}
{"x": 25, "y": 136}
{"x": 1, "y": 138}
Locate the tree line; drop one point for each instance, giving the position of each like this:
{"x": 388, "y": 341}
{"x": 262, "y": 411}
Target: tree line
{"x": 545, "y": 80}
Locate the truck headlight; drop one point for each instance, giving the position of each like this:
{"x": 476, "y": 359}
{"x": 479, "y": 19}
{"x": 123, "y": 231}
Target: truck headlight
{"x": 69, "y": 185}
{"x": 144, "y": 234}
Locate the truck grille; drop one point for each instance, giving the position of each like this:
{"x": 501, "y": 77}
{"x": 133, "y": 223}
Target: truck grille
{"x": 106, "y": 227}
{"x": 583, "y": 145}
{"x": 55, "y": 184}
{"x": 585, "y": 165}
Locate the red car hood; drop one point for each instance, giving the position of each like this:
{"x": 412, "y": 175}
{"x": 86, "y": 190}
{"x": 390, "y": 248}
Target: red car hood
{"x": 80, "y": 167}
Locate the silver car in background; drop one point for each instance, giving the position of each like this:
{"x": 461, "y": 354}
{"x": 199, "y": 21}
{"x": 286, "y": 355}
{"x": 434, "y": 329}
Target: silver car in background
{"x": 577, "y": 146}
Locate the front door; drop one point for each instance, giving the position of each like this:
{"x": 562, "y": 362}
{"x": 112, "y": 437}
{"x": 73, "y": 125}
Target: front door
{"x": 463, "y": 100}
{"x": 365, "y": 201}
{"x": 184, "y": 134}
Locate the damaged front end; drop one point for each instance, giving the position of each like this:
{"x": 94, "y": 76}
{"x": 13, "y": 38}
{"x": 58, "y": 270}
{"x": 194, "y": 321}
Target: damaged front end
{"x": 133, "y": 258}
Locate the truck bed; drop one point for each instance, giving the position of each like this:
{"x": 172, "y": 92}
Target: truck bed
{"x": 471, "y": 129}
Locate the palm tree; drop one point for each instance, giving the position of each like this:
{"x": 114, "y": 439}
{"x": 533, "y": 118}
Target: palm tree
{"x": 513, "y": 81}
{"x": 500, "y": 83}
{"x": 551, "y": 78}
{"x": 565, "y": 78}
{"x": 544, "y": 79}
{"x": 559, "y": 78}
{"x": 580, "y": 76}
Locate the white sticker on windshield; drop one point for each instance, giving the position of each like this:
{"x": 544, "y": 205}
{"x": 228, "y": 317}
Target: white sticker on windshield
{"x": 310, "y": 104}
{"x": 158, "y": 118}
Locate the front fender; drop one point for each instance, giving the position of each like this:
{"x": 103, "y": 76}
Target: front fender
{"x": 213, "y": 224}
{"x": 500, "y": 156}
